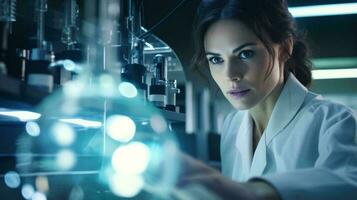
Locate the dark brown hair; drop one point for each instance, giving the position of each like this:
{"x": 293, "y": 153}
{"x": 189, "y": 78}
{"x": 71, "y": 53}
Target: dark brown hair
{"x": 270, "y": 20}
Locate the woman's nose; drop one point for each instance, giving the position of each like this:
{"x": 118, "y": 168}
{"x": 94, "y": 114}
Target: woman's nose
{"x": 233, "y": 71}
{"x": 236, "y": 78}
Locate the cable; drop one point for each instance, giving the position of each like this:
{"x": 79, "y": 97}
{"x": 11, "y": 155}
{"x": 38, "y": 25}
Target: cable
{"x": 142, "y": 36}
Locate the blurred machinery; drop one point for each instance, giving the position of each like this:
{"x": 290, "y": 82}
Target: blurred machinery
{"x": 75, "y": 101}
{"x": 7, "y": 17}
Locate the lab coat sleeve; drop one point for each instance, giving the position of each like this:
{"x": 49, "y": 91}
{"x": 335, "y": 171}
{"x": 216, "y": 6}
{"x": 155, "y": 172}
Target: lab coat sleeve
{"x": 334, "y": 175}
{"x": 227, "y": 141}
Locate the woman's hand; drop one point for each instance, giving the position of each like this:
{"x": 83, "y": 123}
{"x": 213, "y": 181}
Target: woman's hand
{"x": 209, "y": 181}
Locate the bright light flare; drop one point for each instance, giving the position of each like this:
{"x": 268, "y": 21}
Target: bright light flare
{"x": 126, "y": 185}
{"x": 132, "y": 158}
{"x": 334, "y": 73}
{"x": 324, "y": 10}
{"x": 21, "y": 115}
{"x": 121, "y": 128}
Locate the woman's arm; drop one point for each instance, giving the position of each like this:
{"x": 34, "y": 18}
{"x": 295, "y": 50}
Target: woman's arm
{"x": 195, "y": 173}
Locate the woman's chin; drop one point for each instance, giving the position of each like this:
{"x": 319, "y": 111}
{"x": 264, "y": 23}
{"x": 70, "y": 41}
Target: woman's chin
{"x": 241, "y": 105}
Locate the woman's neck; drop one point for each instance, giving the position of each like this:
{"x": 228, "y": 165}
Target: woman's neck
{"x": 262, "y": 112}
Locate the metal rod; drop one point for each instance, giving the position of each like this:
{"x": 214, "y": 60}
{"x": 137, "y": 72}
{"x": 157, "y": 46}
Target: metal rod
{"x": 41, "y": 8}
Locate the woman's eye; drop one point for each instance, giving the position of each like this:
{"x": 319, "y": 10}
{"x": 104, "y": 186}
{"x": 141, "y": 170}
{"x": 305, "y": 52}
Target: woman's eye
{"x": 215, "y": 60}
{"x": 246, "y": 54}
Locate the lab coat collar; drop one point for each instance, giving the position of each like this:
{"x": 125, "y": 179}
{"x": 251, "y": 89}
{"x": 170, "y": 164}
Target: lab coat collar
{"x": 286, "y": 107}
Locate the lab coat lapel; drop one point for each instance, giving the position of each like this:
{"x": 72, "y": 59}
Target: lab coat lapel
{"x": 259, "y": 160}
{"x": 244, "y": 146}
{"x": 286, "y": 107}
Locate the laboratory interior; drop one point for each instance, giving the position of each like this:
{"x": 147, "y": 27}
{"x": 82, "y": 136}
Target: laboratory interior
{"x": 98, "y": 99}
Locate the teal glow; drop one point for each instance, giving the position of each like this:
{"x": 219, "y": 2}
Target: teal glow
{"x": 107, "y": 85}
{"x": 335, "y": 63}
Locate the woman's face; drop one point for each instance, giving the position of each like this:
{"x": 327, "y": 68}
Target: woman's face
{"x": 239, "y": 63}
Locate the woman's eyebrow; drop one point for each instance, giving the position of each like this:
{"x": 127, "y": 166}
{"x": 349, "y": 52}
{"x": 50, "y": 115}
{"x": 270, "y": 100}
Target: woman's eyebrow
{"x": 244, "y": 45}
{"x": 234, "y": 50}
{"x": 212, "y": 54}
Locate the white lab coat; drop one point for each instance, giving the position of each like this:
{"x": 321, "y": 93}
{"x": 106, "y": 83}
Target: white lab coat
{"x": 308, "y": 150}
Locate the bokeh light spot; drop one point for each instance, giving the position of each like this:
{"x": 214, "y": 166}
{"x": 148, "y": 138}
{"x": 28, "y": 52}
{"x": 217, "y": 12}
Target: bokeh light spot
{"x": 27, "y": 191}
{"x": 132, "y": 158}
{"x": 113, "y": 8}
{"x": 121, "y": 128}
{"x": 12, "y": 179}
{"x": 107, "y": 85}
{"x": 73, "y": 89}
{"x": 42, "y": 184}
{"x": 128, "y": 90}
{"x": 76, "y": 193}
{"x": 63, "y": 134}
{"x": 39, "y": 196}
{"x": 66, "y": 159}
{"x": 158, "y": 124}
{"x": 32, "y": 128}
{"x": 69, "y": 65}
{"x": 126, "y": 185}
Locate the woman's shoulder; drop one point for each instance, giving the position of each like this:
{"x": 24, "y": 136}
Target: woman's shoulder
{"x": 325, "y": 108}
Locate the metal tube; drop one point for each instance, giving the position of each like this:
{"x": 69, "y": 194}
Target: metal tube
{"x": 41, "y": 8}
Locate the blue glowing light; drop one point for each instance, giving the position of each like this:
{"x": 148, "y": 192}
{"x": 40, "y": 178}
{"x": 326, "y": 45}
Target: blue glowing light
{"x": 32, "y": 128}
{"x": 12, "y": 179}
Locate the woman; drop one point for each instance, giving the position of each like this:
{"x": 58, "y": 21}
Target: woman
{"x": 283, "y": 142}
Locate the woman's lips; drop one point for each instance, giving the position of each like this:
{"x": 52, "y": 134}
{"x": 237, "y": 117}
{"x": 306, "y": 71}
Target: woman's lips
{"x": 238, "y": 93}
